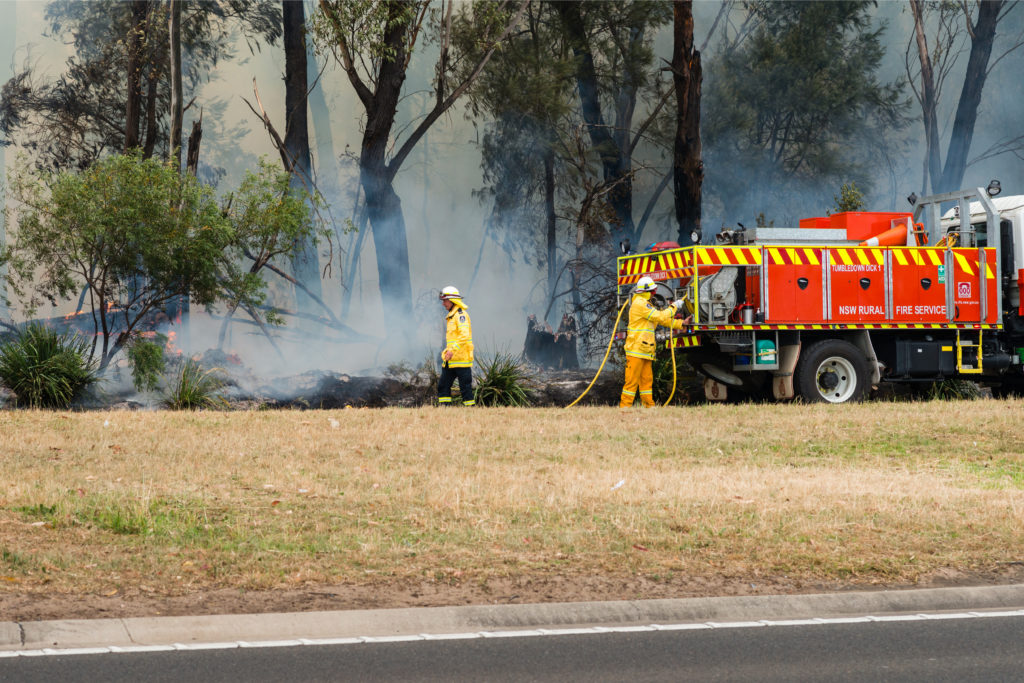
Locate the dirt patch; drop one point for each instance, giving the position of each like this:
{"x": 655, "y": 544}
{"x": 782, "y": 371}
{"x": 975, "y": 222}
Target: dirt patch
{"x": 40, "y": 606}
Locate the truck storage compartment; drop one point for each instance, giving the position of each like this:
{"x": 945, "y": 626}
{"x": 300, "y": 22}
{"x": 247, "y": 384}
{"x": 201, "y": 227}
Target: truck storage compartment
{"x": 793, "y": 283}
{"x": 857, "y": 285}
{"x": 922, "y": 358}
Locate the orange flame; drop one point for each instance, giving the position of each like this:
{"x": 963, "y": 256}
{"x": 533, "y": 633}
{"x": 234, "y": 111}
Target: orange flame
{"x": 170, "y": 346}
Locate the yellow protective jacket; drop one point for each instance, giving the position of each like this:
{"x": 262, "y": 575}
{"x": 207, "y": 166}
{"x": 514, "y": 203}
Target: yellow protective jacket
{"x": 459, "y": 337}
{"x": 643, "y": 319}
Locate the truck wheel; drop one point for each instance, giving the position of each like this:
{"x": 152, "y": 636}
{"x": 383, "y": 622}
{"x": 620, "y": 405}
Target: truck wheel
{"x": 832, "y": 371}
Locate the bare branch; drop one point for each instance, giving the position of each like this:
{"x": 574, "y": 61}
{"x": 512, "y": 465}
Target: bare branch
{"x": 445, "y": 103}
{"x": 364, "y": 93}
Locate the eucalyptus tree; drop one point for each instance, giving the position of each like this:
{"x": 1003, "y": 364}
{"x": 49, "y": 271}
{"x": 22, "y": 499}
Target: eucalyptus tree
{"x": 375, "y": 42}
{"x": 568, "y": 101}
{"x": 115, "y": 91}
{"x": 525, "y": 99}
{"x": 612, "y": 46}
{"x": 136, "y": 234}
{"x": 305, "y": 259}
{"x": 687, "y": 158}
{"x": 930, "y": 62}
{"x": 797, "y": 106}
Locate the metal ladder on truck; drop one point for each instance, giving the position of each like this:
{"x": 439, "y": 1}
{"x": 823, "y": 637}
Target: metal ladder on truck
{"x": 928, "y": 210}
{"x": 968, "y": 352}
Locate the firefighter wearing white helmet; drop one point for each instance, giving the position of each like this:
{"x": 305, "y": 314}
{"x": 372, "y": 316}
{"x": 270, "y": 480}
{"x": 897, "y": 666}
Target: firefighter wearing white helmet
{"x": 640, "y": 344}
{"x": 457, "y": 357}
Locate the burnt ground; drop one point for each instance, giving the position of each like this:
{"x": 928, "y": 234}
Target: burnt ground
{"x": 40, "y": 605}
{"x": 398, "y": 386}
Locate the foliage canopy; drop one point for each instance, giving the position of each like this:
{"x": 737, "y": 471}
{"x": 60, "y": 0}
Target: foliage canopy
{"x": 81, "y": 116}
{"x": 798, "y": 105}
{"x": 135, "y": 235}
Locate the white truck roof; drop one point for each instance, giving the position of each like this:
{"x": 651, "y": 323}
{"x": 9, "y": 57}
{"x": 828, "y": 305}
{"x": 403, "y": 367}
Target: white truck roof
{"x": 1002, "y": 204}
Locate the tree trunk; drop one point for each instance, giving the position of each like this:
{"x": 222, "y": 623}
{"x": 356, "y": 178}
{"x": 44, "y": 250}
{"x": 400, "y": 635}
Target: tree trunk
{"x": 983, "y": 35}
{"x": 614, "y": 160}
{"x": 686, "y": 158}
{"x": 387, "y": 223}
{"x": 151, "y": 128}
{"x": 305, "y": 259}
{"x": 548, "y": 349}
{"x": 552, "y": 221}
{"x": 178, "y": 308}
{"x": 133, "y": 106}
{"x": 326, "y": 161}
{"x": 192, "y": 158}
{"x": 929, "y": 102}
{"x": 383, "y": 207}
{"x": 192, "y": 168}
{"x": 177, "y": 104}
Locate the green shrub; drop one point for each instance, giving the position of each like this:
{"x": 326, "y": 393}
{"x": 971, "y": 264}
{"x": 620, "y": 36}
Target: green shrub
{"x": 46, "y": 369}
{"x": 502, "y": 382}
{"x": 194, "y": 388}
{"x": 147, "y": 362}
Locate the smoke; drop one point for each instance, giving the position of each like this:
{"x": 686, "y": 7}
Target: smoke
{"x": 446, "y": 223}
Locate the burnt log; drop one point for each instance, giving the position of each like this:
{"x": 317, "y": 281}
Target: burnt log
{"x": 548, "y": 349}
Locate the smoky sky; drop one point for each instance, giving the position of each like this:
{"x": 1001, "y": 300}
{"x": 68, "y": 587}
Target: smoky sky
{"x": 445, "y": 221}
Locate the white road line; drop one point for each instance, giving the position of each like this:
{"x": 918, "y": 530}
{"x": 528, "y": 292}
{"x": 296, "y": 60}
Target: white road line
{"x": 522, "y": 633}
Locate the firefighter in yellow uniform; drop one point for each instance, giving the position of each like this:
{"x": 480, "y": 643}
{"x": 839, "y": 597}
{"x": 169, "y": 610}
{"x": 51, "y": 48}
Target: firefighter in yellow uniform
{"x": 457, "y": 357}
{"x": 640, "y": 344}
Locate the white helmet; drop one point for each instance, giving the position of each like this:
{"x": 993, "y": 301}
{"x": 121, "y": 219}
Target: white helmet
{"x": 645, "y": 284}
{"x": 450, "y": 293}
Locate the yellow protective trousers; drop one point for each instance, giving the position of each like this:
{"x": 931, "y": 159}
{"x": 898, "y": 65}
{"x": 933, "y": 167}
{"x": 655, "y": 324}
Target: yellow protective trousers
{"x": 639, "y": 375}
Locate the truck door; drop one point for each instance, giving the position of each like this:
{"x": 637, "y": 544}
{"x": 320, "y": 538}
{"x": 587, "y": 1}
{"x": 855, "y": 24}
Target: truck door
{"x": 966, "y": 271}
{"x": 794, "y": 287}
{"x": 857, "y": 284}
{"x": 918, "y": 284}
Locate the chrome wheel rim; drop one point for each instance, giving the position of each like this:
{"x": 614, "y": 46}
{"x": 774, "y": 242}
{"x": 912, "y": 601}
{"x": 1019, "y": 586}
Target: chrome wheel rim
{"x": 836, "y": 379}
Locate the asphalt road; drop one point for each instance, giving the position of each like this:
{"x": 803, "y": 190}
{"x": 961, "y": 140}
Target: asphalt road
{"x": 968, "y": 648}
{"x": 954, "y": 634}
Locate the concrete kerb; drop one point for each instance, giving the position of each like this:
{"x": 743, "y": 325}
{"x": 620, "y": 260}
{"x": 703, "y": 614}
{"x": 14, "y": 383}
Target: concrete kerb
{"x": 137, "y": 631}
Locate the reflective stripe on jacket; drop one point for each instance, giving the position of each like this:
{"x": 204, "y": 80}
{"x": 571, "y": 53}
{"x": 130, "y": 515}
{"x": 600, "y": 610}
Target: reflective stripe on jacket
{"x": 643, "y": 319}
{"x": 459, "y": 338}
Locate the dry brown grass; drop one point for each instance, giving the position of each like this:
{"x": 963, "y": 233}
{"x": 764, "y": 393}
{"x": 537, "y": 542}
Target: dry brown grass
{"x": 173, "y": 502}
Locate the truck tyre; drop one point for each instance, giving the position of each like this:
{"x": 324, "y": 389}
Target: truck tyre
{"x": 833, "y": 371}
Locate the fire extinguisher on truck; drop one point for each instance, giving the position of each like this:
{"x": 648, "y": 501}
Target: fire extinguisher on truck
{"x": 831, "y": 309}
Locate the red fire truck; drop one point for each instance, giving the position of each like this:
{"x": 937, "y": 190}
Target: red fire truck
{"x": 831, "y": 309}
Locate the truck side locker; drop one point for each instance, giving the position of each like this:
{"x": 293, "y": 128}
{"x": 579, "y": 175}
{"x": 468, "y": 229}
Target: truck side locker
{"x": 918, "y": 284}
{"x": 794, "y": 284}
{"x": 967, "y": 286}
{"x": 857, "y": 284}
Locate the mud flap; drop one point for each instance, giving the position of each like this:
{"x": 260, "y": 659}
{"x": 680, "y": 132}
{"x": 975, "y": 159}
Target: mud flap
{"x": 863, "y": 342}
{"x": 782, "y": 379}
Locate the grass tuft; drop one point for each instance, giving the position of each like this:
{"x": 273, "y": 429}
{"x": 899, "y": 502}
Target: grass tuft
{"x": 46, "y": 369}
{"x": 502, "y": 382}
{"x": 194, "y": 388}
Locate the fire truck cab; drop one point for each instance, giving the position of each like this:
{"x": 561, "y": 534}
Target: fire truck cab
{"x": 832, "y": 309}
